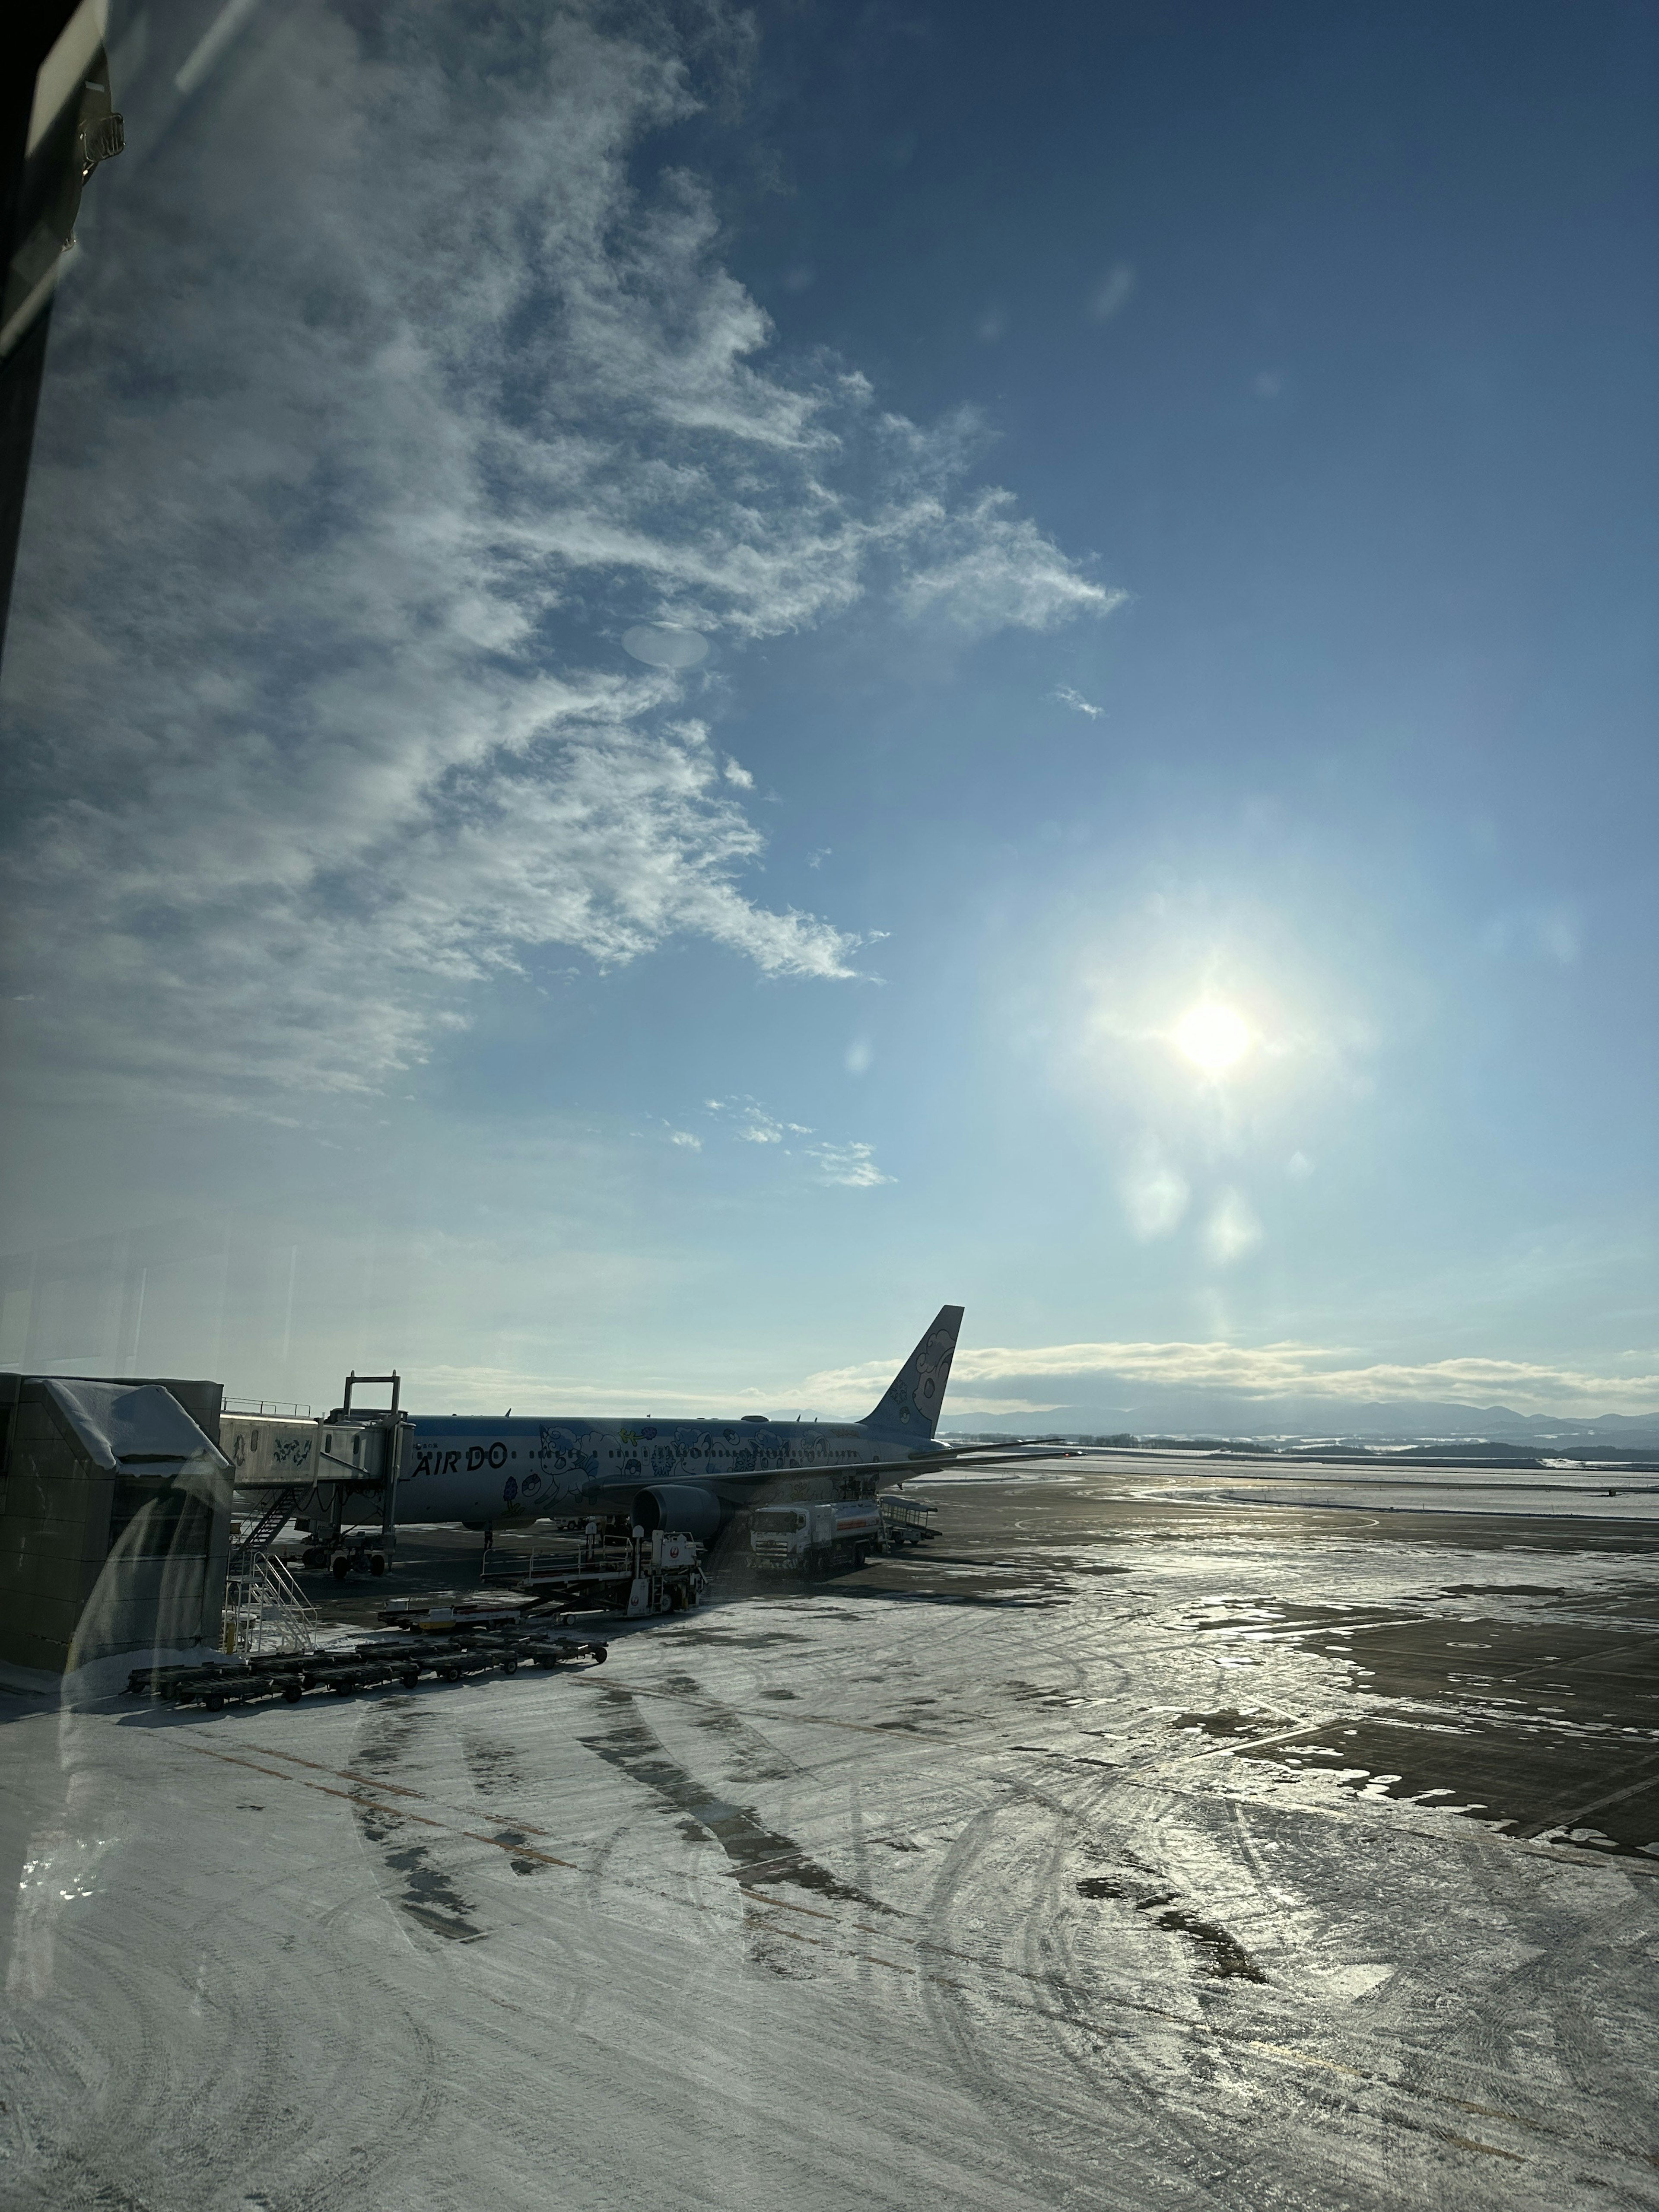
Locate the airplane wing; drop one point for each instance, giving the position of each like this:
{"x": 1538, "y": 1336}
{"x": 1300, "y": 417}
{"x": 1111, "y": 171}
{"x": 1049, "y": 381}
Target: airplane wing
{"x": 937, "y": 1460}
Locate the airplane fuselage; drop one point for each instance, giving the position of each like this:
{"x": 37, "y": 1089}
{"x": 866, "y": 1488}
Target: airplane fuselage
{"x": 470, "y": 1467}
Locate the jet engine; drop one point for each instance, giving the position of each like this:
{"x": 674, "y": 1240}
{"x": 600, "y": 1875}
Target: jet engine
{"x": 685, "y": 1509}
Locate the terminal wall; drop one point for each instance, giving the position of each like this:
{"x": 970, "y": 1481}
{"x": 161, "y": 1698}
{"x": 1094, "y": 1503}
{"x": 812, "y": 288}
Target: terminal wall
{"x": 96, "y": 1560}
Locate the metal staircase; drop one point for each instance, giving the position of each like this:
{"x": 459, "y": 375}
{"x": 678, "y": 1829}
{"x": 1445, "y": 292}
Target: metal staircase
{"x": 271, "y": 1520}
{"x": 266, "y": 1612}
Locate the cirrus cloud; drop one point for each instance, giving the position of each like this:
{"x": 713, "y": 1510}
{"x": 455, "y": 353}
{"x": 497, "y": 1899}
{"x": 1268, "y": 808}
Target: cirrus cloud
{"x": 384, "y": 406}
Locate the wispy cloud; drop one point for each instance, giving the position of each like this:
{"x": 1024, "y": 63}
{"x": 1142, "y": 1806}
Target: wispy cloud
{"x": 749, "y": 1121}
{"x": 854, "y": 1165}
{"x": 342, "y": 555}
{"x": 1064, "y": 696}
{"x": 989, "y": 567}
{"x": 1113, "y": 294}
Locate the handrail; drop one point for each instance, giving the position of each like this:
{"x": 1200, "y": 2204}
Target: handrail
{"x": 265, "y": 1609}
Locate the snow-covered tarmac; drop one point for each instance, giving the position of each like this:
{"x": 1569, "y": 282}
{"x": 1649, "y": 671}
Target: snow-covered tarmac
{"x": 1046, "y": 1867}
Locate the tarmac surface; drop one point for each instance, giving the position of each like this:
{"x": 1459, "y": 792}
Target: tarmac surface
{"x": 1153, "y": 1836}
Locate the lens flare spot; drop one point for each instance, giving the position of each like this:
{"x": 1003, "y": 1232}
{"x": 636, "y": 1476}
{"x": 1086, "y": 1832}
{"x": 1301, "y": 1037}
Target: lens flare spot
{"x": 1214, "y": 1037}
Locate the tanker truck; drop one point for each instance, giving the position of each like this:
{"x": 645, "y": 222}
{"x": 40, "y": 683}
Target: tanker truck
{"x": 807, "y": 1538}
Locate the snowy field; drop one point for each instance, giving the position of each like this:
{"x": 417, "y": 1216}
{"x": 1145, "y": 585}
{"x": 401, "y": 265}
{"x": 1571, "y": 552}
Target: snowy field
{"x": 1106, "y": 1852}
{"x": 1383, "y": 1485}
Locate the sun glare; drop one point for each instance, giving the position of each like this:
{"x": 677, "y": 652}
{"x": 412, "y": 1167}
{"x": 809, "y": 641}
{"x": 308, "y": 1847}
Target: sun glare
{"x": 1214, "y": 1037}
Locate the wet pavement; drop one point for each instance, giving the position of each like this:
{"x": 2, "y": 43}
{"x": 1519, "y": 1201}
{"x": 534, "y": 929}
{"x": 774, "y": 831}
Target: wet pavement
{"x": 1114, "y": 1849}
{"x": 1530, "y": 1703}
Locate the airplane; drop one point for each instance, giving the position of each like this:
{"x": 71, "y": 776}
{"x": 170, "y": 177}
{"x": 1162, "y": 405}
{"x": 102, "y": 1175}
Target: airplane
{"x": 689, "y": 1476}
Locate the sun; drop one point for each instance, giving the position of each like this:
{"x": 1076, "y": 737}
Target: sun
{"x": 1215, "y": 1037}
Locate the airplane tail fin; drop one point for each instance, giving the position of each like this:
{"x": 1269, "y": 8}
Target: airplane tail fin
{"x": 912, "y": 1399}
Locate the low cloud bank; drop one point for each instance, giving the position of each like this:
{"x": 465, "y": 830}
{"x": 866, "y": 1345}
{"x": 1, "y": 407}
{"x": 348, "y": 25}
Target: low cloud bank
{"x": 1272, "y": 1389}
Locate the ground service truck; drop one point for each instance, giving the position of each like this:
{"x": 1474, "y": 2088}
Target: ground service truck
{"x": 806, "y": 1539}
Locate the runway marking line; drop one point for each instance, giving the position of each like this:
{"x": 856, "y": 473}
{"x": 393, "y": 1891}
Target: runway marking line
{"x": 1469, "y": 2142}
{"x": 396, "y": 1812}
{"x": 1601, "y": 1804}
{"x": 369, "y": 1782}
{"x": 1619, "y": 1650}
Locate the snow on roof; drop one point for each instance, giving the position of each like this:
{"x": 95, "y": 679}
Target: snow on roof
{"x": 139, "y": 1428}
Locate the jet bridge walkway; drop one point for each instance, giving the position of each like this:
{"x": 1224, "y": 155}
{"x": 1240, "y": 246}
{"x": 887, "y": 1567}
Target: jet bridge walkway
{"x": 336, "y": 1475}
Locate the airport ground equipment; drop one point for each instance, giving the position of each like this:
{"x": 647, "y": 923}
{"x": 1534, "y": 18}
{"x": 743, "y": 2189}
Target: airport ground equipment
{"x": 436, "y": 1616}
{"x": 336, "y": 1477}
{"x": 905, "y": 1520}
{"x": 586, "y": 1568}
{"x": 377, "y": 1663}
{"x": 806, "y": 1539}
{"x": 266, "y": 1611}
{"x": 114, "y": 1518}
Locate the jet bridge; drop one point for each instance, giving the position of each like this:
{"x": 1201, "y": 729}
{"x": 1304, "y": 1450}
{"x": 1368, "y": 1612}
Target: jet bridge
{"x": 336, "y": 1476}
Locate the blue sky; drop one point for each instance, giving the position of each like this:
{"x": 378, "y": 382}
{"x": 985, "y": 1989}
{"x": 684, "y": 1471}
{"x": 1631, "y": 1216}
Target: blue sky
{"x": 1167, "y": 496}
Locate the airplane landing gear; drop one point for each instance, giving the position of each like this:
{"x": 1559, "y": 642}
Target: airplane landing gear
{"x": 342, "y": 1558}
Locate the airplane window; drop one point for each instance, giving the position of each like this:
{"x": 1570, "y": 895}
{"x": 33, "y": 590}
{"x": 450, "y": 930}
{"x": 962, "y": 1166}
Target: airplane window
{"x": 937, "y": 716}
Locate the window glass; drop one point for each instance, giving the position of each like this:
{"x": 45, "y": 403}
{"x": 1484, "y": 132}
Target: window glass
{"x": 752, "y": 753}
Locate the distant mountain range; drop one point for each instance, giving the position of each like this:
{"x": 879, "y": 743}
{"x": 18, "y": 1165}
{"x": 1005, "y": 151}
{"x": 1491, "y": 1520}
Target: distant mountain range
{"x": 1182, "y": 1412}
